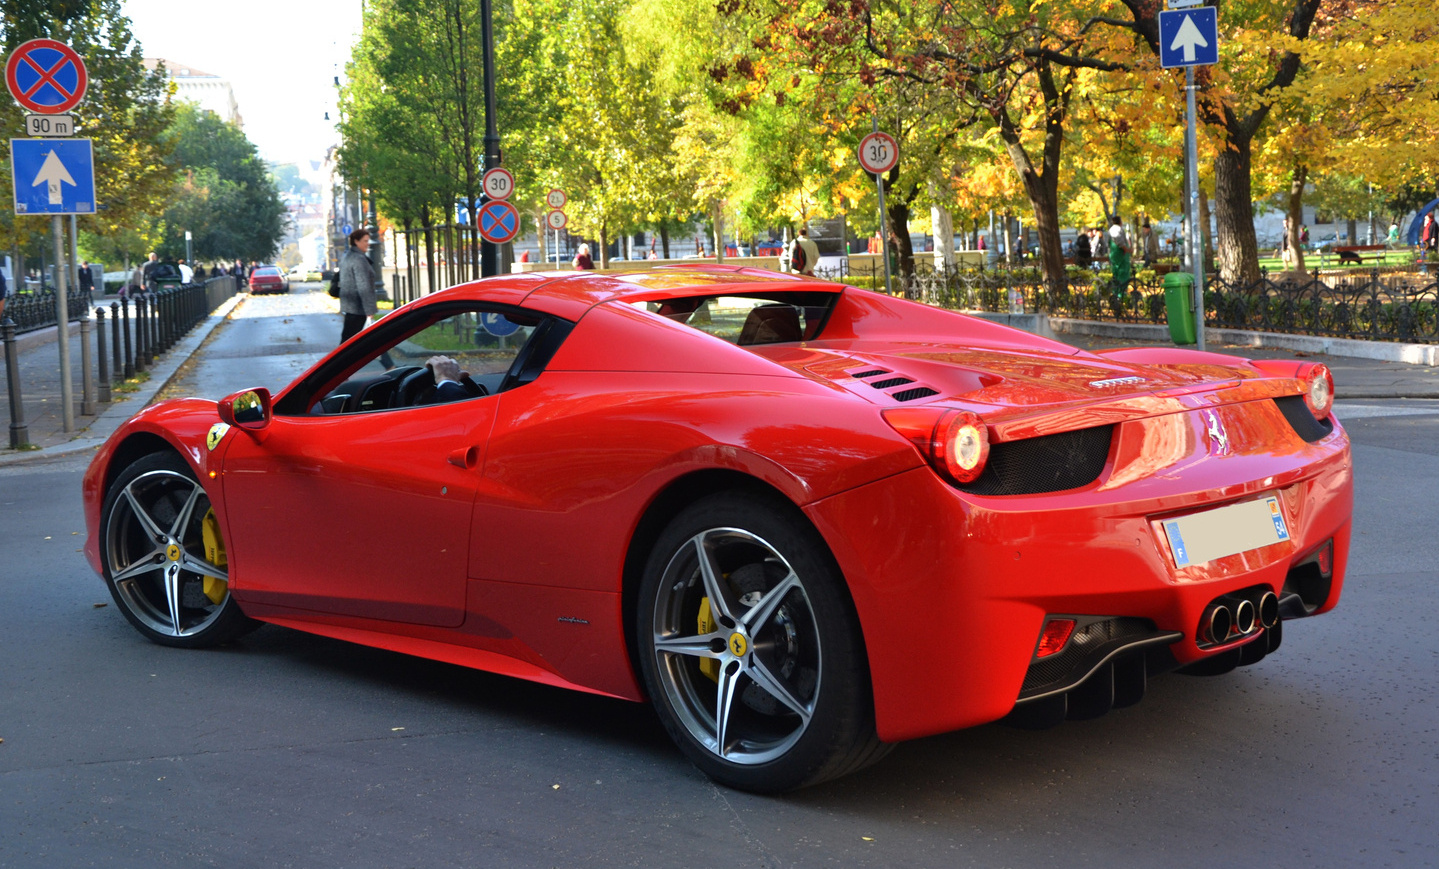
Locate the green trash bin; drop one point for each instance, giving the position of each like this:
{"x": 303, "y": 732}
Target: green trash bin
{"x": 1179, "y": 304}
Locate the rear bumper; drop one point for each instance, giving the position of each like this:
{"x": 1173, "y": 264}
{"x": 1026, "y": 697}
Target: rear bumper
{"x": 953, "y": 590}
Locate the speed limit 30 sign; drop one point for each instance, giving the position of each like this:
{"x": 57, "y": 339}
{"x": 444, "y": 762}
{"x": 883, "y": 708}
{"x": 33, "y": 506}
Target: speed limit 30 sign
{"x": 878, "y": 152}
{"x": 498, "y": 183}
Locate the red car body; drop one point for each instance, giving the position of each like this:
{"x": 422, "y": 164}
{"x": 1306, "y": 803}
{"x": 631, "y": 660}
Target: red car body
{"x": 510, "y": 532}
{"x": 268, "y": 279}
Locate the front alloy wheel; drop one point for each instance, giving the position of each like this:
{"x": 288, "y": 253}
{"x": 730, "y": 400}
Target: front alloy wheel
{"x": 751, "y": 650}
{"x": 164, "y": 557}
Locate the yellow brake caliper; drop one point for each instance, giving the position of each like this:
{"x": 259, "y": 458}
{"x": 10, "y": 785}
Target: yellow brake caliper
{"x": 708, "y": 666}
{"x": 215, "y": 588}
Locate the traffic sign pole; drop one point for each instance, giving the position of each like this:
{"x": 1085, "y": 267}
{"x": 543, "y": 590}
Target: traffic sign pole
{"x": 883, "y": 218}
{"x": 1196, "y": 240}
{"x": 62, "y": 318}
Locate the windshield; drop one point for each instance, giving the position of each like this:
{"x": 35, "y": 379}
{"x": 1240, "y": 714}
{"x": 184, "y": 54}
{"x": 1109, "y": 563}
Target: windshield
{"x": 767, "y": 318}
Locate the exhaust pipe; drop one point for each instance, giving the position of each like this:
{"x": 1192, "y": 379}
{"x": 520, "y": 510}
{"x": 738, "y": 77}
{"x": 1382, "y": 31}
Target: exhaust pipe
{"x": 1217, "y": 623}
{"x": 1243, "y": 616}
{"x": 1268, "y": 610}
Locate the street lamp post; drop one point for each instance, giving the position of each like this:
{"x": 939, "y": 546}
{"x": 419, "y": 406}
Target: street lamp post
{"x": 489, "y": 251}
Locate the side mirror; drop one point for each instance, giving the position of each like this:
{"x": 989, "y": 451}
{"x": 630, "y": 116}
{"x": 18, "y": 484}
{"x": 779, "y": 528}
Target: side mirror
{"x": 249, "y": 409}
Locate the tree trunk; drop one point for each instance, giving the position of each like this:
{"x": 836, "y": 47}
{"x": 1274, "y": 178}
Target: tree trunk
{"x": 943, "y": 226}
{"x": 719, "y": 231}
{"x": 1206, "y": 238}
{"x": 1238, "y": 250}
{"x": 899, "y": 241}
{"x": 1296, "y": 215}
{"x": 604, "y": 244}
{"x": 665, "y": 239}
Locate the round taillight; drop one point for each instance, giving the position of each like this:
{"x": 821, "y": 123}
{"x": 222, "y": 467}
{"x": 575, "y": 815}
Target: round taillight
{"x": 1319, "y": 391}
{"x": 961, "y": 443}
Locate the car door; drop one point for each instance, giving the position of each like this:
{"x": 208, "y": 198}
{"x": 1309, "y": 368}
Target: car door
{"x": 365, "y": 510}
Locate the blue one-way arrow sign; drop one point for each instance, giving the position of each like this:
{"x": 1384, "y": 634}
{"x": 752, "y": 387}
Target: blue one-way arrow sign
{"x": 53, "y": 176}
{"x": 1188, "y": 37}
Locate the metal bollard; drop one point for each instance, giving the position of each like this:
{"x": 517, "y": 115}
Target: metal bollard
{"x": 142, "y": 337}
{"x": 154, "y": 336}
{"x": 118, "y": 368}
{"x": 19, "y": 432}
{"x": 87, "y": 373}
{"x": 129, "y": 368}
{"x": 104, "y": 377}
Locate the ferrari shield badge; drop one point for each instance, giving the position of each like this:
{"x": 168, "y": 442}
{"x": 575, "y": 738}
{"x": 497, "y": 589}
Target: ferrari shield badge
{"x": 217, "y": 434}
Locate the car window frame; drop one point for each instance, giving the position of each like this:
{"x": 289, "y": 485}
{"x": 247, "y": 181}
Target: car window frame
{"x": 301, "y": 396}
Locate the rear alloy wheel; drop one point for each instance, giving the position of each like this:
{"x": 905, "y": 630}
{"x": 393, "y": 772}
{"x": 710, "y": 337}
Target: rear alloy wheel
{"x": 750, "y": 648}
{"x": 164, "y": 557}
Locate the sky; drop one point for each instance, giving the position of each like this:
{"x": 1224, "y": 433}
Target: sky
{"x": 281, "y": 57}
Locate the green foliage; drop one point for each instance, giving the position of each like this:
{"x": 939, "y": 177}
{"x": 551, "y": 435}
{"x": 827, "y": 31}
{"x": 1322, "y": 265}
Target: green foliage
{"x": 224, "y": 196}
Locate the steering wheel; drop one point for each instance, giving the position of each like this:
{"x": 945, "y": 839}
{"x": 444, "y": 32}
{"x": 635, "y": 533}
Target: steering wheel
{"x": 415, "y": 388}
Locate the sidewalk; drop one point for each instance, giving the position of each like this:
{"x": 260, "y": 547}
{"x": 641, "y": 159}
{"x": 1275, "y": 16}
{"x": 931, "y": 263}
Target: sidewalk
{"x": 1354, "y": 378}
{"x": 39, "y": 359}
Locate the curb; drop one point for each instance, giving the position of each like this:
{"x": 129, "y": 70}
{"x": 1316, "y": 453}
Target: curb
{"x": 104, "y": 425}
{"x": 1382, "y": 351}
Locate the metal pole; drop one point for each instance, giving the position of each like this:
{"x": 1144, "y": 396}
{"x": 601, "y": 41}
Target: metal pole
{"x": 62, "y": 324}
{"x": 129, "y": 370}
{"x": 1196, "y": 240}
{"x": 104, "y": 358}
{"x": 489, "y": 252}
{"x": 883, "y": 220}
{"x": 87, "y": 375}
{"x": 75, "y": 257}
{"x": 19, "y": 432}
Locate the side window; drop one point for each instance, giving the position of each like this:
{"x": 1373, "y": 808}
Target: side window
{"x": 435, "y": 356}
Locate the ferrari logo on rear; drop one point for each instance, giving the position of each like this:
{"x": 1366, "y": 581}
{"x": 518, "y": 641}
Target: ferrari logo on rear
{"x": 217, "y": 433}
{"x": 1218, "y": 437}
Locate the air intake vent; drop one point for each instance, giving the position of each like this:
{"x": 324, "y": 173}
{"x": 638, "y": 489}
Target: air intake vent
{"x": 873, "y": 372}
{"x": 912, "y": 394}
{"x": 889, "y": 382}
{"x": 1301, "y": 419}
{"x": 1051, "y": 463}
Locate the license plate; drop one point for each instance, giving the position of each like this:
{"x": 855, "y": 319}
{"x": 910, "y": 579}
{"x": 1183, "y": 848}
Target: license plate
{"x": 1230, "y": 530}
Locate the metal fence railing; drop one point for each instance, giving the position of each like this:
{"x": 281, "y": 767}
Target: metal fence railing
{"x": 1372, "y": 304}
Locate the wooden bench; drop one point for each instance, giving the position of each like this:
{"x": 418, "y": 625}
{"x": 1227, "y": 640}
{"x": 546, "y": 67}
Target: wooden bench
{"x": 1350, "y": 253}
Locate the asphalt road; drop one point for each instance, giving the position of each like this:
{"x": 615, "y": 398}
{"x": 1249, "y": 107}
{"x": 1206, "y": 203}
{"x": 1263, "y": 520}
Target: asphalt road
{"x": 293, "y": 750}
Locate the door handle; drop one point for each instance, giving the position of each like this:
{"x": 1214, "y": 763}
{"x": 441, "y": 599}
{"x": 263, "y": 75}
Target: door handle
{"x": 465, "y": 457}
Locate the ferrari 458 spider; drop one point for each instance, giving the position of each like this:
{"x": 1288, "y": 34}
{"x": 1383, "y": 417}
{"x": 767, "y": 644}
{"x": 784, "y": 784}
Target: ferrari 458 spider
{"x": 804, "y": 520}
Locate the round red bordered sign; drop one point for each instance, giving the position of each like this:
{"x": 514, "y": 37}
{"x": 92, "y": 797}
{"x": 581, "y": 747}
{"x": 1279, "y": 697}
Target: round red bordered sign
{"x": 46, "y": 76}
{"x": 499, "y": 221}
{"x": 878, "y": 152}
{"x": 498, "y": 183}
{"x": 556, "y": 219}
{"x": 556, "y": 198}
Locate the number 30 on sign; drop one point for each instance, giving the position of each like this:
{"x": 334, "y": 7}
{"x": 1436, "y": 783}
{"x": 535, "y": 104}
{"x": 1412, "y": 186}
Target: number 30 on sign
{"x": 878, "y": 152}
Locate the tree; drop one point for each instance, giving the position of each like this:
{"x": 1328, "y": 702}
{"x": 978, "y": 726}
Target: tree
{"x": 224, "y": 196}
{"x": 125, "y": 111}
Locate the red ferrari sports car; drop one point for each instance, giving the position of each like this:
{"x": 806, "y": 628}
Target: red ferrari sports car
{"x": 804, "y": 520}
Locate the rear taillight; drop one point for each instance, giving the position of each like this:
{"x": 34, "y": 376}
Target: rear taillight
{"x": 955, "y": 442}
{"x": 1319, "y": 391}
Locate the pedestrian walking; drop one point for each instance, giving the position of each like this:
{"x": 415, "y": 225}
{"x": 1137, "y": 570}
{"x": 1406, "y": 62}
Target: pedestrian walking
{"x": 1121, "y": 269}
{"x": 187, "y": 274}
{"x": 152, "y": 265}
{"x": 87, "y": 278}
{"x": 1428, "y": 240}
{"x": 357, "y": 290}
{"x": 582, "y": 258}
{"x": 1083, "y": 254}
{"x": 803, "y": 253}
{"x": 4, "y": 294}
{"x": 1151, "y": 244}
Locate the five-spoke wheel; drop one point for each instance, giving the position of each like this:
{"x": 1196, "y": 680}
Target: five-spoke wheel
{"x": 164, "y": 556}
{"x": 751, "y": 650}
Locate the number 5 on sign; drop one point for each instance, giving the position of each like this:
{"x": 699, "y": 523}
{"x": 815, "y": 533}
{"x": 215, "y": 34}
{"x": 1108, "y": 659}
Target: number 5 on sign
{"x": 878, "y": 152}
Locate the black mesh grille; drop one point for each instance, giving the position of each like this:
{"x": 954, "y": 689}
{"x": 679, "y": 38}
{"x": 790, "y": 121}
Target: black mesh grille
{"x": 1085, "y": 644}
{"x": 890, "y": 381}
{"x": 873, "y": 372}
{"x": 1051, "y": 463}
{"x": 1301, "y": 419}
{"x": 912, "y": 394}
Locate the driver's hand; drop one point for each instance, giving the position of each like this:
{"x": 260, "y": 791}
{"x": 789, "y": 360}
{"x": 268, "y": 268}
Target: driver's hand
{"x": 444, "y": 368}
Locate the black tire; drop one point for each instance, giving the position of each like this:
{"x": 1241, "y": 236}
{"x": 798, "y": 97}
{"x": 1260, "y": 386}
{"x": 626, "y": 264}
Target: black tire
{"x": 784, "y": 648}
{"x": 153, "y": 551}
